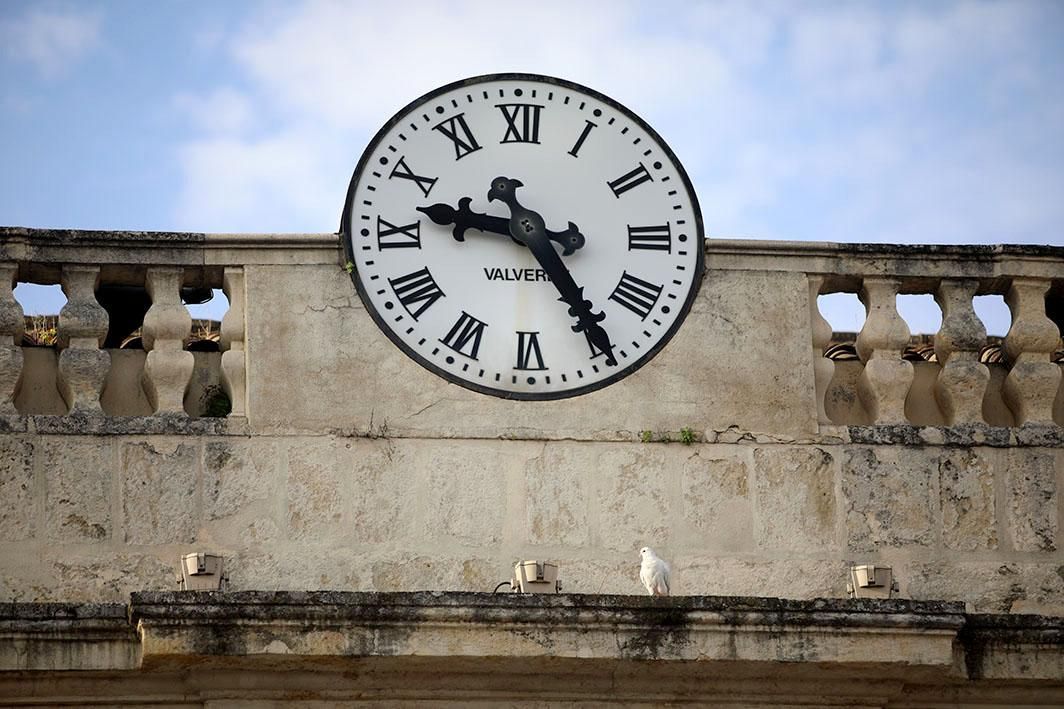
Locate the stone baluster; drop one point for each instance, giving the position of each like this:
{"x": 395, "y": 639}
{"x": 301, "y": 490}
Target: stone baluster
{"x": 963, "y": 379}
{"x": 1032, "y": 382}
{"x": 12, "y": 325}
{"x": 885, "y": 381}
{"x": 167, "y": 323}
{"x": 82, "y": 329}
{"x": 823, "y": 368}
{"x": 234, "y": 367}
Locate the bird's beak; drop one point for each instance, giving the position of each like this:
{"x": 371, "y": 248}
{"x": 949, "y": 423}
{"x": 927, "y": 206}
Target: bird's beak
{"x": 491, "y": 195}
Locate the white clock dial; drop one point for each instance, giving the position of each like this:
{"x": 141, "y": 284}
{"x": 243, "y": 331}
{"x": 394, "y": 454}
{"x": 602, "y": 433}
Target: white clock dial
{"x": 523, "y": 236}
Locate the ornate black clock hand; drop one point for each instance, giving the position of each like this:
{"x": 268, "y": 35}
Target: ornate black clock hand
{"x": 528, "y": 228}
{"x": 464, "y": 218}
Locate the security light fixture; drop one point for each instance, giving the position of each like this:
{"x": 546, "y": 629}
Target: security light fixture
{"x": 535, "y": 577}
{"x": 871, "y": 581}
{"x": 201, "y": 571}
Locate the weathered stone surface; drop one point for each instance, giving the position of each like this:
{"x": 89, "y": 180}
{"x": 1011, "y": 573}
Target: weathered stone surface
{"x": 795, "y": 498}
{"x": 78, "y": 476}
{"x": 966, "y": 480}
{"x": 417, "y": 572}
{"x": 889, "y": 496}
{"x": 558, "y": 494}
{"x": 108, "y": 577}
{"x": 239, "y": 474}
{"x": 632, "y": 505}
{"x": 1031, "y": 490}
{"x": 159, "y": 503}
{"x": 17, "y": 507}
{"x": 716, "y": 501}
{"x": 288, "y": 568}
{"x": 792, "y": 578}
{"x": 292, "y": 306}
{"x": 316, "y": 497}
{"x": 990, "y": 587}
{"x": 466, "y": 491}
{"x": 383, "y": 481}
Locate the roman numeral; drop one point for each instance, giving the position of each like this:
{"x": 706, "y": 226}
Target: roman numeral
{"x": 636, "y": 294}
{"x": 458, "y": 131}
{"x": 588, "y": 125}
{"x": 464, "y": 336}
{"x": 650, "y": 238}
{"x": 418, "y": 289}
{"x": 403, "y": 171}
{"x": 522, "y": 122}
{"x": 629, "y": 180}
{"x": 407, "y": 236}
{"x": 529, "y": 356}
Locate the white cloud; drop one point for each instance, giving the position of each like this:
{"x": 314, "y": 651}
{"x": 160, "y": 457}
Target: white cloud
{"x": 223, "y": 110}
{"x": 860, "y": 122}
{"x": 51, "y": 40}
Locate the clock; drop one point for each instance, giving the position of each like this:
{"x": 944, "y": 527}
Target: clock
{"x": 523, "y": 236}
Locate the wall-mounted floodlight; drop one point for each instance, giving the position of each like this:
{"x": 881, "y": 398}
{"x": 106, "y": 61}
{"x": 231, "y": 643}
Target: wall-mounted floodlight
{"x": 535, "y": 577}
{"x": 871, "y": 581}
{"x": 201, "y": 571}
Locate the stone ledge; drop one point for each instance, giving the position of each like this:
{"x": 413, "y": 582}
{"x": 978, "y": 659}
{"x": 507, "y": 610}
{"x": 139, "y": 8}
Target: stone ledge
{"x": 431, "y": 646}
{"x": 64, "y": 636}
{"x": 176, "y": 628}
{"x": 102, "y": 425}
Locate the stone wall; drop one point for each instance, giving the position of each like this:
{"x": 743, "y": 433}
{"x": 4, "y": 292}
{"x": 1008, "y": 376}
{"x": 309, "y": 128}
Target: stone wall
{"x": 93, "y": 518}
{"x": 346, "y": 466}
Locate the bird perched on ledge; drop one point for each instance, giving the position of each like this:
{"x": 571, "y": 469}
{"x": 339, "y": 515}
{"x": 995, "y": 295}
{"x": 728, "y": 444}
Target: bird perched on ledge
{"x": 654, "y": 573}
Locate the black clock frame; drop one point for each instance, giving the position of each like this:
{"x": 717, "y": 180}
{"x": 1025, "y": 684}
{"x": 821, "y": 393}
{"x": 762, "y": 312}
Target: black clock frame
{"x": 401, "y": 114}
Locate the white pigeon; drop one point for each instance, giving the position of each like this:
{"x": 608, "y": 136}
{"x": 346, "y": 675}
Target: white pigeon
{"x": 654, "y": 573}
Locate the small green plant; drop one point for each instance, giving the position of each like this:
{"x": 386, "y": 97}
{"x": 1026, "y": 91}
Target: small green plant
{"x": 349, "y": 267}
{"x": 687, "y": 436}
{"x": 665, "y": 437}
{"x": 646, "y": 436}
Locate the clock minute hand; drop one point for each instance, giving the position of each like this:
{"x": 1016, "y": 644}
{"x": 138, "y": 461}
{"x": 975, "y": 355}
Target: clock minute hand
{"x": 465, "y": 218}
{"x": 527, "y": 227}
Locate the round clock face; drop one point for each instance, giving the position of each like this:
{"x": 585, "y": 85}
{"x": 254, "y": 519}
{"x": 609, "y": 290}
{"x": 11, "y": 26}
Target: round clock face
{"x": 523, "y": 236}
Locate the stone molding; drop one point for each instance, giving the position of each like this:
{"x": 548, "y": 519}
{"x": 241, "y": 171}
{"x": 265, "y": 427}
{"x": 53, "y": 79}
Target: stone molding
{"x": 433, "y": 646}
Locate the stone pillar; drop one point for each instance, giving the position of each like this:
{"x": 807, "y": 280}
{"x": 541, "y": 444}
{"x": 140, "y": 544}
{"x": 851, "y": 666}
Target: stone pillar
{"x": 12, "y": 325}
{"x": 885, "y": 381}
{"x": 82, "y": 328}
{"x": 234, "y": 367}
{"x": 167, "y": 323}
{"x": 1032, "y": 383}
{"x": 823, "y": 368}
{"x": 962, "y": 382}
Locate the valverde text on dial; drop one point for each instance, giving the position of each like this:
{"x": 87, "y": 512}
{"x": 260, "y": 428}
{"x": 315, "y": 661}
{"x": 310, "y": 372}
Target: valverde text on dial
{"x": 516, "y": 274}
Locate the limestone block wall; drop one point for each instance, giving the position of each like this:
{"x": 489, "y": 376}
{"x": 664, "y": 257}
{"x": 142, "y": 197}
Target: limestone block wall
{"x": 349, "y": 467}
{"x": 94, "y": 518}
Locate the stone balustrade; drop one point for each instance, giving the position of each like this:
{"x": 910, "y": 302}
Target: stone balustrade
{"x": 788, "y": 387}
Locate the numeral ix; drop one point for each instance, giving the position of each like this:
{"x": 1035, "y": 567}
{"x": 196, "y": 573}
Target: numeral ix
{"x": 390, "y": 236}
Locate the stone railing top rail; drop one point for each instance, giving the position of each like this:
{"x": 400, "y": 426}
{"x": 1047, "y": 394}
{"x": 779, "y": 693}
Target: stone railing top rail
{"x": 918, "y": 266}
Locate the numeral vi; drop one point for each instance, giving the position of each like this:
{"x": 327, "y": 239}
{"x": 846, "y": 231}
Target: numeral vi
{"x": 529, "y": 355}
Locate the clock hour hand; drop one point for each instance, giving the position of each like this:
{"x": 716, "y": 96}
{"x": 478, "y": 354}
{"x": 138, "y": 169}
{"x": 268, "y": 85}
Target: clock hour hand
{"x": 527, "y": 227}
{"x": 464, "y": 218}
